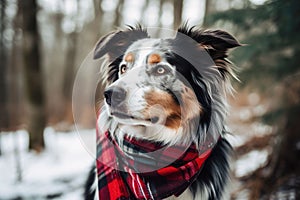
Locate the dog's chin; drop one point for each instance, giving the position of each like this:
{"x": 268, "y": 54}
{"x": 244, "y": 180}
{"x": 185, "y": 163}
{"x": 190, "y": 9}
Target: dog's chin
{"x": 133, "y": 120}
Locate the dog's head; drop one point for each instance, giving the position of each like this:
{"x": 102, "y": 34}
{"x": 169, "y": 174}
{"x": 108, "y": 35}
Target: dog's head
{"x": 168, "y": 90}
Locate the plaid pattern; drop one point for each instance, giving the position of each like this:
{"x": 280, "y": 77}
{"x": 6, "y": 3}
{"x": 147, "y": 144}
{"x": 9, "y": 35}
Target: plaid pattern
{"x": 136, "y": 180}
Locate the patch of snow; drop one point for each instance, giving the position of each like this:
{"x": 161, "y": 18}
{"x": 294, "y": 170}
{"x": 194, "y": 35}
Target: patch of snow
{"x": 250, "y": 162}
{"x": 237, "y": 140}
{"x": 259, "y": 110}
{"x": 242, "y": 133}
{"x": 59, "y": 171}
{"x": 260, "y": 129}
{"x": 290, "y": 195}
{"x": 253, "y": 98}
{"x": 245, "y": 114}
{"x": 258, "y": 2}
{"x": 243, "y": 194}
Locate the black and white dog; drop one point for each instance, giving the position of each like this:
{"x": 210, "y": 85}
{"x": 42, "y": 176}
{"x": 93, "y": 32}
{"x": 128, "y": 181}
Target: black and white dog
{"x": 163, "y": 93}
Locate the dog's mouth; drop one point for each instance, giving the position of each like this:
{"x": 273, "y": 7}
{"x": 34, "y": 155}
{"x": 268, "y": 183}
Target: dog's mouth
{"x": 125, "y": 116}
{"x": 121, "y": 115}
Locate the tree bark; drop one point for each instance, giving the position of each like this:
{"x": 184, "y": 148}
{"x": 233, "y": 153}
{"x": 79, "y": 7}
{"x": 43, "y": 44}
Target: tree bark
{"x": 33, "y": 74}
{"x": 14, "y": 77}
{"x": 3, "y": 67}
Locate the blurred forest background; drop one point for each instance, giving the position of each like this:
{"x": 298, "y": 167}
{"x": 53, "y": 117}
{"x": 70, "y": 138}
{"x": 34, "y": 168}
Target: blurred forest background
{"x": 44, "y": 42}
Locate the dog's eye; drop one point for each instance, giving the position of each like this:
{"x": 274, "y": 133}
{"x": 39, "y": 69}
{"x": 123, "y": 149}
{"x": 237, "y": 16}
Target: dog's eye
{"x": 160, "y": 70}
{"x": 123, "y": 68}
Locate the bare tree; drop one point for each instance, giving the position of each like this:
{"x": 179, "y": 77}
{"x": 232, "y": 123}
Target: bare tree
{"x": 33, "y": 74}
{"x": 13, "y": 76}
{"x": 3, "y": 67}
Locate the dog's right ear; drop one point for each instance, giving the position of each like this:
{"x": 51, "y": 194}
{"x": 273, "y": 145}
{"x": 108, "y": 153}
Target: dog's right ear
{"x": 102, "y": 45}
{"x": 115, "y": 43}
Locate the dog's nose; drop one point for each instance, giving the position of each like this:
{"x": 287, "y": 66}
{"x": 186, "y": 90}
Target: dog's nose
{"x": 114, "y": 96}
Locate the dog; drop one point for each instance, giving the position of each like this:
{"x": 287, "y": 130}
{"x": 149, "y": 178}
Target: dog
{"x": 161, "y": 131}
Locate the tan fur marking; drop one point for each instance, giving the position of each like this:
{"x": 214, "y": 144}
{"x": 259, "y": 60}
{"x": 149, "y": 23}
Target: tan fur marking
{"x": 204, "y": 46}
{"x": 175, "y": 114}
{"x": 191, "y": 107}
{"x": 171, "y": 108}
{"x": 154, "y": 58}
{"x": 129, "y": 57}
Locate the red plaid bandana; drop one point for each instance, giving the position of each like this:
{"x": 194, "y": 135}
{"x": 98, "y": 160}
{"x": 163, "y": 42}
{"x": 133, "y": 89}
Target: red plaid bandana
{"x": 125, "y": 173}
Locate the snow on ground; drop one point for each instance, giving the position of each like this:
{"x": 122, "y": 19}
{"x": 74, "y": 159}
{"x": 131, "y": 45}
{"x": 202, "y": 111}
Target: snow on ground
{"x": 243, "y": 132}
{"x": 57, "y": 173}
{"x": 250, "y": 162}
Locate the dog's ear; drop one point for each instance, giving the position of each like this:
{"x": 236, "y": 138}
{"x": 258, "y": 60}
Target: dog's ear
{"x": 115, "y": 43}
{"x": 216, "y": 43}
{"x": 218, "y": 40}
{"x": 101, "y": 47}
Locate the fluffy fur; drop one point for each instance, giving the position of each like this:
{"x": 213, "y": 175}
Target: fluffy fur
{"x": 171, "y": 91}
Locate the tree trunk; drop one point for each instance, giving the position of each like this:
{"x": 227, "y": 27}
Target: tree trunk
{"x": 3, "y": 67}
{"x": 283, "y": 170}
{"x": 287, "y": 152}
{"x": 14, "y": 77}
{"x": 33, "y": 74}
{"x": 178, "y": 6}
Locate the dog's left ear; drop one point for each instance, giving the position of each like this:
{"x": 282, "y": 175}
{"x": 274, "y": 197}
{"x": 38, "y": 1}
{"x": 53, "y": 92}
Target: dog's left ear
{"x": 216, "y": 43}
